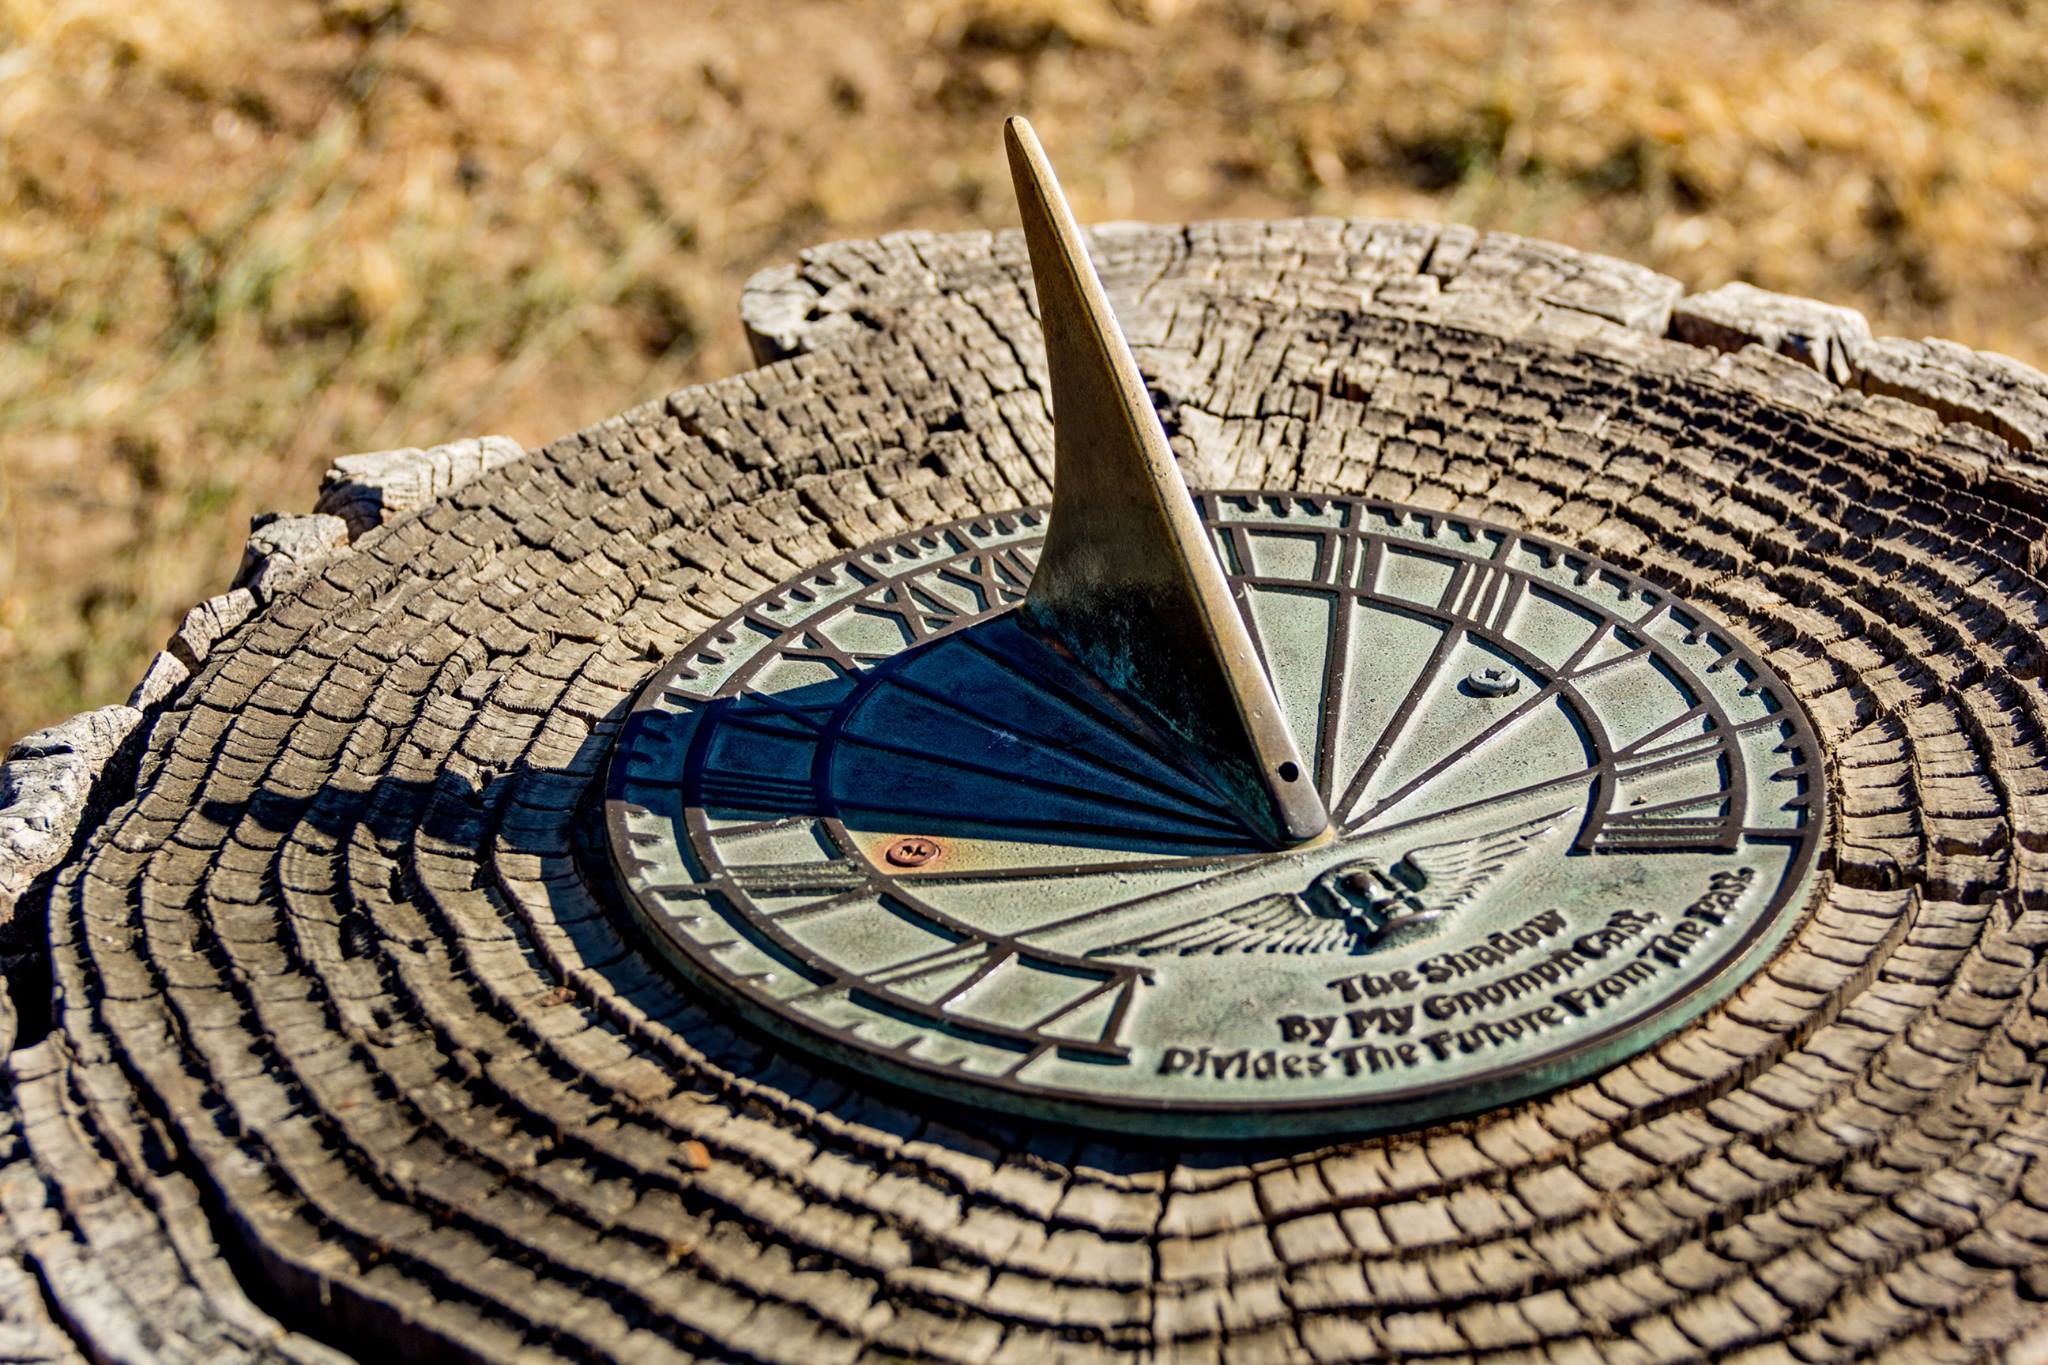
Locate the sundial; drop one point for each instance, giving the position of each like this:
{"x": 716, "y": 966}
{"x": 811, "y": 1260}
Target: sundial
{"x": 1224, "y": 812}
{"x": 1098, "y": 929}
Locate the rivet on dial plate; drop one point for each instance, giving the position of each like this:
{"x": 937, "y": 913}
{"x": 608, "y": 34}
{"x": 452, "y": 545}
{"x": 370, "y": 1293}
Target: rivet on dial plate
{"x": 1493, "y": 682}
{"x": 912, "y": 850}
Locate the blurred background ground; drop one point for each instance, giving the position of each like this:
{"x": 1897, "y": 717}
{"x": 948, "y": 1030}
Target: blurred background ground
{"x": 241, "y": 237}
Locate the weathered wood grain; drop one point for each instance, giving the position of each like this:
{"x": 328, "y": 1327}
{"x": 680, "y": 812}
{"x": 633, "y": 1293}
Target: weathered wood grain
{"x": 369, "y": 489}
{"x": 48, "y": 786}
{"x": 348, "y": 1042}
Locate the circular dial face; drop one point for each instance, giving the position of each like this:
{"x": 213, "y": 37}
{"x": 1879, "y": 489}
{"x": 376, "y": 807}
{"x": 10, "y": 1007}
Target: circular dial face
{"x": 887, "y": 821}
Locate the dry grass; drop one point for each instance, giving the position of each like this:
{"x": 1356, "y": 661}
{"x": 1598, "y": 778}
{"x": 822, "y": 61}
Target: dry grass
{"x": 240, "y": 237}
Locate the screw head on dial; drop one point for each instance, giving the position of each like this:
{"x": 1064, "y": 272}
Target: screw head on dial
{"x": 912, "y": 850}
{"x": 1493, "y": 681}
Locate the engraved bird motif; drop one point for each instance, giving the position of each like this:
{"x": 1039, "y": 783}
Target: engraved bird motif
{"x": 1356, "y": 906}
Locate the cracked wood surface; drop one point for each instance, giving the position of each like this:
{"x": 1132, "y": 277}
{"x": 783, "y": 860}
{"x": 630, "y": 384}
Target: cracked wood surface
{"x": 349, "y": 1049}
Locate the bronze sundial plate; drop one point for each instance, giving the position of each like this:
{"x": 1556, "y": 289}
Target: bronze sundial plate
{"x": 883, "y": 819}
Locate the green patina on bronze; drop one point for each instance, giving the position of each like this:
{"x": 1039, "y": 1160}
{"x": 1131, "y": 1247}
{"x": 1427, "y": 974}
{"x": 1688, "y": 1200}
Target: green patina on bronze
{"x": 1571, "y": 813}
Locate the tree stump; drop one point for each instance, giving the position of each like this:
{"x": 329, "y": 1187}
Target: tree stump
{"x": 348, "y": 1049}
